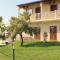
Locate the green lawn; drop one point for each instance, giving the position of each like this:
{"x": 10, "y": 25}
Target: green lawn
{"x": 32, "y": 50}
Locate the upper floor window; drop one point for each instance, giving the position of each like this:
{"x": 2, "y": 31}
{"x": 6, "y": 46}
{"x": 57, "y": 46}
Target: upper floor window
{"x": 38, "y": 13}
{"x": 38, "y": 10}
{"x": 30, "y": 11}
{"x": 22, "y": 11}
{"x": 53, "y": 7}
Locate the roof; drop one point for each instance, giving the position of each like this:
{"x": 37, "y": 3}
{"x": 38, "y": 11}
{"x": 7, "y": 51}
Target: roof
{"x": 27, "y": 2}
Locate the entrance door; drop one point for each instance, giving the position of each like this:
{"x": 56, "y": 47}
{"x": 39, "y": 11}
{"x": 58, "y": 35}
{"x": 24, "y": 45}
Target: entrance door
{"x": 53, "y": 32}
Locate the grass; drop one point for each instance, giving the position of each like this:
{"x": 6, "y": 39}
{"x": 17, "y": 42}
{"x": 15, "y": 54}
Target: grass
{"x": 32, "y": 50}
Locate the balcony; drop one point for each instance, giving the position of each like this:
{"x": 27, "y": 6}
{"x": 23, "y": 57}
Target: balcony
{"x": 35, "y": 17}
{"x": 58, "y": 14}
{"x": 46, "y": 16}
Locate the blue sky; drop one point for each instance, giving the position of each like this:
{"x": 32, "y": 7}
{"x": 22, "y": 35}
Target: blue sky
{"x": 27, "y": 1}
{"x": 8, "y": 8}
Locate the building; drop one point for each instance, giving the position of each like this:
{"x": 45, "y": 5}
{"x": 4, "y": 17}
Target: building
{"x": 45, "y": 14}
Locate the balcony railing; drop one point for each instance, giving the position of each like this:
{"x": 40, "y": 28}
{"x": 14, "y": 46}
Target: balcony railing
{"x": 58, "y": 14}
{"x": 51, "y": 15}
{"x": 46, "y": 15}
{"x": 38, "y": 16}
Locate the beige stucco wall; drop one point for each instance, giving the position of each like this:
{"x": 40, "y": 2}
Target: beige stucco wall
{"x": 48, "y": 18}
{"x": 45, "y": 27}
{"x": 46, "y": 14}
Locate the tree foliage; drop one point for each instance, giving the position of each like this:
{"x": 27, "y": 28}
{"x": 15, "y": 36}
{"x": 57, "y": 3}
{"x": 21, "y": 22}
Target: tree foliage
{"x": 2, "y": 28}
{"x": 20, "y": 25}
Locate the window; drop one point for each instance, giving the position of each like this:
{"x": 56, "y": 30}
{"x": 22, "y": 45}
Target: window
{"x": 22, "y": 11}
{"x": 37, "y": 10}
{"x": 53, "y": 29}
{"x": 38, "y": 13}
{"x": 29, "y": 11}
{"x": 53, "y": 7}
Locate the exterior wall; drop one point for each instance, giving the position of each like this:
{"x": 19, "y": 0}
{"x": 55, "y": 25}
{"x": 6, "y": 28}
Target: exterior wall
{"x": 48, "y": 18}
{"x": 33, "y": 16}
{"x": 58, "y": 11}
{"x": 45, "y": 27}
{"x": 46, "y": 14}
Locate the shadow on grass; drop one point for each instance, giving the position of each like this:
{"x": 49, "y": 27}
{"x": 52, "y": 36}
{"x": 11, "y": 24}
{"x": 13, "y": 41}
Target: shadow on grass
{"x": 42, "y": 44}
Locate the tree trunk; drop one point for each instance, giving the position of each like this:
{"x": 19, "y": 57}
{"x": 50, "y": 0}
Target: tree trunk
{"x": 21, "y": 39}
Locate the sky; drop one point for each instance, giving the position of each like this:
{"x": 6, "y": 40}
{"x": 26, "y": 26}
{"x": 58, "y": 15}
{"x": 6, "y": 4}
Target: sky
{"x": 8, "y": 8}
{"x": 27, "y": 1}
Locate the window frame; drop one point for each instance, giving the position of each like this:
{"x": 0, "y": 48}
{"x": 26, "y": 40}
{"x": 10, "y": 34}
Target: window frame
{"x": 31, "y": 11}
{"x": 53, "y": 7}
{"x": 38, "y": 10}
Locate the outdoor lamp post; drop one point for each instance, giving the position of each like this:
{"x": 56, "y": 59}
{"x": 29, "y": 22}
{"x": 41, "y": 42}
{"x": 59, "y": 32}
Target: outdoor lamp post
{"x": 13, "y": 51}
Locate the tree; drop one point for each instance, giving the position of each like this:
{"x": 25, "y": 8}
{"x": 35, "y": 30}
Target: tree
{"x": 20, "y": 25}
{"x": 0, "y": 22}
{"x": 2, "y": 28}
{"x": 0, "y": 25}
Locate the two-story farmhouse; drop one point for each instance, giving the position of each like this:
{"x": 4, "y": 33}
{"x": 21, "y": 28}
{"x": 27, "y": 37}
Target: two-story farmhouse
{"x": 45, "y": 14}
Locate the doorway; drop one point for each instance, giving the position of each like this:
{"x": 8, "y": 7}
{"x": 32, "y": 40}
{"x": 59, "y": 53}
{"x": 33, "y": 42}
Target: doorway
{"x": 53, "y": 32}
{"x": 37, "y": 36}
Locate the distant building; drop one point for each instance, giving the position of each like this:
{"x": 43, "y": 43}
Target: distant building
{"x": 45, "y": 15}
